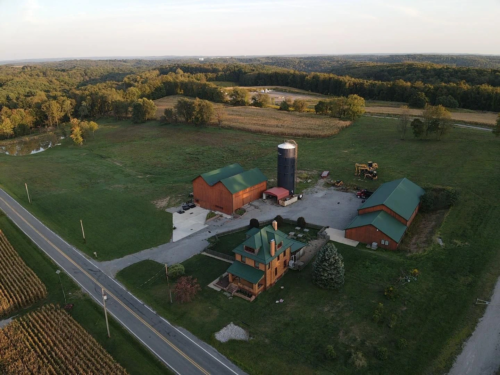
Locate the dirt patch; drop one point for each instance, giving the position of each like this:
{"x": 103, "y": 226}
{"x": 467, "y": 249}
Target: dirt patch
{"x": 161, "y": 203}
{"x": 422, "y": 230}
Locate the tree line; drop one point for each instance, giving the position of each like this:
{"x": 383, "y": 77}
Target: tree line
{"x": 477, "y": 97}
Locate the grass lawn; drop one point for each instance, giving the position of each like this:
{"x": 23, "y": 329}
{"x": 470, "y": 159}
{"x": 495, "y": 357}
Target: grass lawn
{"x": 434, "y": 314}
{"x": 124, "y": 348}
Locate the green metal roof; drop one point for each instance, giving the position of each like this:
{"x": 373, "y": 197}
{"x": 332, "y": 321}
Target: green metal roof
{"x": 260, "y": 241}
{"x": 401, "y": 196}
{"x": 246, "y": 272}
{"x": 383, "y": 222}
{"x": 217, "y": 175}
{"x": 244, "y": 180}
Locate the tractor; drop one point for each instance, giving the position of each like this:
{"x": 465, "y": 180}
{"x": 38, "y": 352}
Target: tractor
{"x": 367, "y": 170}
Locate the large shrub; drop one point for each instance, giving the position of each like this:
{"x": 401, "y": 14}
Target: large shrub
{"x": 301, "y": 222}
{"x": 176, "y": 270}
{"x": 329, "y": 270}
{"x": 279, "y": 220}
{"x": 438, "y": 198}
{"x": 254, "y": 223}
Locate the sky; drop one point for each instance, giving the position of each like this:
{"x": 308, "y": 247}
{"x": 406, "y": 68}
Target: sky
{"x": 34, "y": 29}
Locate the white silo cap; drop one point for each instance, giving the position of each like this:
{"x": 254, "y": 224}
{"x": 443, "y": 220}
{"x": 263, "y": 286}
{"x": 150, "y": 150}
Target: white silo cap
{"x": 286, "y": 146}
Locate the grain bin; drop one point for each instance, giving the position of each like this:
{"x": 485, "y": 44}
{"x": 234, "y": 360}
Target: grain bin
{"x": 287, "y": 165}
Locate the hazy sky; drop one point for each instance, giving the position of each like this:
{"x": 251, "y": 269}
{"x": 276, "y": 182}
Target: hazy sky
{"x": 84, "y": 28}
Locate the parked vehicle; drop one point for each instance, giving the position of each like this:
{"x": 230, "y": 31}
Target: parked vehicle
{"x": 363, "y": 194}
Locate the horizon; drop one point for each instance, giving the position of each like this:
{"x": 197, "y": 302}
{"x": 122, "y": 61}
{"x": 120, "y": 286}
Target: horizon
{"x": 220, "y": 28}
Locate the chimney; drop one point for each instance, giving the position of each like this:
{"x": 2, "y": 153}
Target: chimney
{"x": 275, "y": 225}
{"x": 272, "y": 249}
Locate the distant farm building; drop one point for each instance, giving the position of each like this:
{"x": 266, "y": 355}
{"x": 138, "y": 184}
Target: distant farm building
{"x": 260, "y": 261}
{"x": 385, "y": 216}
{"x": 229, "y": 188}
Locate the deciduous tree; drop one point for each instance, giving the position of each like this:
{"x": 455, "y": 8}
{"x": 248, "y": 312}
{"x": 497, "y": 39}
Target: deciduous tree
{"x": 418, "y": 100}
{"x": 238, "y": 96}
{"x": 53, "y": 112}
{"x": 261, "y": 100}
{"x": 220, "y": 114}
{"x": 496, "y": 129}
{"x": 76, "y": 135}
{"x": 186, "y": 289}
{"x": 203, "y": 111}
{"x": 299, "y": 105}
{"x": 185, "y": 109}
{"x": 355, "y": 106}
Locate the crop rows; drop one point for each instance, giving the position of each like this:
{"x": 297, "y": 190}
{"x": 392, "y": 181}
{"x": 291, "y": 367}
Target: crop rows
{"x": 50, "y": 341}
{"x": 19, "y": 285}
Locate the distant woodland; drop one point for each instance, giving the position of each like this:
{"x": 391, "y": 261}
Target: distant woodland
{"x": 48, "y": 94}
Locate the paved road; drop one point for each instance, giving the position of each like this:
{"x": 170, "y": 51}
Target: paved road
{"x": 481, "y": 353}
{"x": 178, "y": 349}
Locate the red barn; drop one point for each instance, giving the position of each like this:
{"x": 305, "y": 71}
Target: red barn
{"x": 229, "y": 188}
{"x": 386, "y": 215}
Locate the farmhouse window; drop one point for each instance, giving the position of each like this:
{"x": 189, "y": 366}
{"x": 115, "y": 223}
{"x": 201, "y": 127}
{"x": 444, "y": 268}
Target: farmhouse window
{"x": 269, "y": 266}
{"x": 280, "y": 244}
{"x": 243, "y": 259}
{"x": 256, "y": 264}
{"x": 249, "y": 249}
{"x": 284, "y": 263}
{"x": 276, "y": 271}
{"x": 279, "y": 256}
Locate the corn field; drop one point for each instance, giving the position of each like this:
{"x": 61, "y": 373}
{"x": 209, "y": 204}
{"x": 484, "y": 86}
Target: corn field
{"x": 19, "y": 285}
{"x": 50, "y": 341}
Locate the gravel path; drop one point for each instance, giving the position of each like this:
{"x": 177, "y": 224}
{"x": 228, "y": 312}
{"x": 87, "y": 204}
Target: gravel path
{"x": 481, "y": 353}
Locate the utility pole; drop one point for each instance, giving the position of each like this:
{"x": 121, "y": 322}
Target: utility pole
{"x": 64, "y": 294}
{"x": 27, "y": 192}
{"x": 104, "y": 298}
{"x": 83, "y": 232}
{"x": 168, "y": 282}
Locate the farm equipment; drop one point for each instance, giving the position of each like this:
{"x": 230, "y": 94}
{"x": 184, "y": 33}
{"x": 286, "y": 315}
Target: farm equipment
{"x": 363, "y": 194}
{"x": 338, "y": 183}
{"x": 367, "y": 170}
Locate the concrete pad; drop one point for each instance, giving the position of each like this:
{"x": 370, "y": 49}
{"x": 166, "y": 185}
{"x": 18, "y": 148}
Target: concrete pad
{"x": 189, "y": 222}
{"x": 339, "y": 236}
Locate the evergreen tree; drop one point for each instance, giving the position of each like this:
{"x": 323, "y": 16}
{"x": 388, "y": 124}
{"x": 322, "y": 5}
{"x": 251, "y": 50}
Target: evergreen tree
{"x": 329, "y": 270}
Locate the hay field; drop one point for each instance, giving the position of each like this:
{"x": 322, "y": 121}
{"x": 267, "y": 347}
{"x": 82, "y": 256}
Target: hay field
{"x": 271, "y": 121}
{"x": 483, "y": 118}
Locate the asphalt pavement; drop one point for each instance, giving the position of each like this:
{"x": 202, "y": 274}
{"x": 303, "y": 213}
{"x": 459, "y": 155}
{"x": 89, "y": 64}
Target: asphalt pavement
{"x": 182, "y": 352}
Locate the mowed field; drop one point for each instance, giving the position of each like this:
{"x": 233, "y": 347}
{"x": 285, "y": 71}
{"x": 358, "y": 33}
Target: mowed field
{"x": 270, "y": 120}
{"x": 480, "y": 118}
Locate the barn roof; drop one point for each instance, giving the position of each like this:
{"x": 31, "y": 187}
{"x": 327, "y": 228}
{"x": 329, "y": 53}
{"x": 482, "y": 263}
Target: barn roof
{"x": 217, "y": 175}
{"x": 383, "y": 222}
{"x": 259, "y": 240}
{"x": 244, "y": 180}
{"x": 401, "y": 196}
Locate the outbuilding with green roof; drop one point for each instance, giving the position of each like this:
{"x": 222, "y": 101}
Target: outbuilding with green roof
{"x": 385, "y": 216}
{"x": 229, "y": 188}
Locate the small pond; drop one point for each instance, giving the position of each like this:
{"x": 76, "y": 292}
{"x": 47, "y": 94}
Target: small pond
{"x": 29, "y": 145}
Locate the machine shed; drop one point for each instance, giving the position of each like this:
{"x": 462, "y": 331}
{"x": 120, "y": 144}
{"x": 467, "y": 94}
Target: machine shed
{"x": 229, "y": 188}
